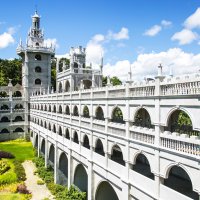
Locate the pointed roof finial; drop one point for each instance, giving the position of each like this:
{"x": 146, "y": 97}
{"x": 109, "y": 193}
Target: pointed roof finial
{"x": 35, "y": 8}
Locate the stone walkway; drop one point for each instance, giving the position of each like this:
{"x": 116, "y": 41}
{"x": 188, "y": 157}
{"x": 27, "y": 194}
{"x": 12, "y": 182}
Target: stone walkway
{"x": 39, "y": 192}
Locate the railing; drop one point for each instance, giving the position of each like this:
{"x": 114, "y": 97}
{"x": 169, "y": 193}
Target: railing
{"x": 117, "y": 129}
{"x": 181, "y": 88}
{"x": 142, "y": 134}
{"x": 185, "y": 145}
{"x": 99, "y": 125}
{"x": 142, "y": 91}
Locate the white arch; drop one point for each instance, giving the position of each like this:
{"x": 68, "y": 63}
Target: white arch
{"x": 172, "y": 110}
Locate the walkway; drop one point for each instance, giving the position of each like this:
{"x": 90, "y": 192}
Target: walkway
{"x": 39, "y": 192}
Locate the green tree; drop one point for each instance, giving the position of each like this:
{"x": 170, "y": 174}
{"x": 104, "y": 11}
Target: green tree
{"x": 114, "y": 80}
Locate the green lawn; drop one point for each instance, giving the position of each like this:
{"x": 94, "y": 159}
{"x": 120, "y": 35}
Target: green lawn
{"x": 21, "y": 149}
{"x": 10, "y": 196}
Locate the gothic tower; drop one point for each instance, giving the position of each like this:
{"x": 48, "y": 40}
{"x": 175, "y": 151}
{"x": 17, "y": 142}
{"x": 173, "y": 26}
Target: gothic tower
{"x": 36, "y": 62}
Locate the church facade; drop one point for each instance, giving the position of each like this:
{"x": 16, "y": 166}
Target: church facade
{"x": 113, "y": 142}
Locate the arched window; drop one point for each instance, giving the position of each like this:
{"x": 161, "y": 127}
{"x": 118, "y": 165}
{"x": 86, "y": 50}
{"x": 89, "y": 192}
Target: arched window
{"x": 142, "y": 118}
{"x": 49, "y": 108}
{"x": 75, "y": 67}
{"x": 117, "y": 115}
{"x": 18, "y": 119}
{"x": 179, "y": 121}
{"x": 49, "y": 126}
{"x": 67, "y": 134}
{"x": 5, "y": 119}
{"x": 117, "y": 155}
{"x": 99, "y": 148}
{"x": 45, "y": 124}
{"x": 60, "y": 89}
{"x": 60, "y": 109}
{"x": 38, "y": 57}
{"x": 18, "y": 130}
{"x": 76, "y": 138}
{"x": 87, "y": 84}
{"x": 5, "y": 130}
{"x": 86, "y": 142}
{"x": 142, "y": 166}
{"x": 105, "y": 192}
{"x": 75, "y": 112}
{"x": 18, "y": 106}
{"x": 180, "y": 181}
{"x": 86, "y": 112}
{"x": 17, "y": 94}
{"x": 37, "y": 81}
{"x": 60, "y": 131}
{"x": 38, "y": 69}
{"x": 54, "y": 109}
{"x": 4, "y": 107}
{"x": 67, "y": 112}
{"x": 54, "y": 128}
{"x": 67, "y": 86}
{"x": 3, "y": 94}
{"x": 99, "y": 113}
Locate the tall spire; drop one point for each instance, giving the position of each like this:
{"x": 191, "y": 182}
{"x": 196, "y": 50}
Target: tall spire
{"x": 101, "y": 65}
{"x": 35, "y": 35}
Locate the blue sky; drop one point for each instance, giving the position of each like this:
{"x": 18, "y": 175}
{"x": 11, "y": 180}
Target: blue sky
{"x": 140, "y": 33}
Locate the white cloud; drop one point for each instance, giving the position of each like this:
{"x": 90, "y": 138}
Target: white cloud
{"x": 51, "y": 42}
{"x": 146, "y": 64}
{"x": 94, "y": 52}
{"x": 193, "y": 20}
{"x": 166, "y": 23}
{"x": 121, "y": 35}
{"x": 154, "y": 30}
{"x": 95, "y": 47}
{"x": 6, "y": 39}
{"x": 185, "y": 36}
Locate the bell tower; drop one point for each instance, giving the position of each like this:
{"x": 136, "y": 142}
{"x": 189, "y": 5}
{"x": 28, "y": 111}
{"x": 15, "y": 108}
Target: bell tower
{"x": 36, "y": 58}
{"x": 36, "y": 63}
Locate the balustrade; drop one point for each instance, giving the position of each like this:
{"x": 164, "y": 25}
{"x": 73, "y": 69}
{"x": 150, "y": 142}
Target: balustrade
{"x": 185, "y": 145}
{"x": 181, "y": 88}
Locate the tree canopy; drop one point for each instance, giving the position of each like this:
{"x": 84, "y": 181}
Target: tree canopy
{"x": 10, "y": 69}
{"x": 114, "y": 80}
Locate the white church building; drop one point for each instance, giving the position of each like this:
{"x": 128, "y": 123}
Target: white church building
{"x": 113, "y": 142}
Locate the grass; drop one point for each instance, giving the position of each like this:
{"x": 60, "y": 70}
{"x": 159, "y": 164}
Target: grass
{"x": 21, "y": 149}
{"x": 10, "y": 196}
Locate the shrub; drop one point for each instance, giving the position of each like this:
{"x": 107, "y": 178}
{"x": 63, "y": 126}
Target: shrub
{"x": 4, "y": 166}
{"x": 22, "y": 189}
{"x": 40, "y": 182}
{"x": 9, "y": 176}
{"x": 19, "y": 170}
{"x": 4, "y": 154}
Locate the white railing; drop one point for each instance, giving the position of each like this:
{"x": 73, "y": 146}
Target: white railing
{"x": 117, "y": 129}
{"x": 147, "y": 137}
{"x": 187, "y": 88}
{"x": 185, "y": 145}
{"x": 142, "y": 91}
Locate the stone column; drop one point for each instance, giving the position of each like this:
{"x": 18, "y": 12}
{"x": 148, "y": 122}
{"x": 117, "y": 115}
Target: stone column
{"x": 46, "y": 150}
{"x": 90, "y": 180}
{"x": 38, "y": 147}
{"x": 56, "y": 163}
{"x": 70, "y": 167}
